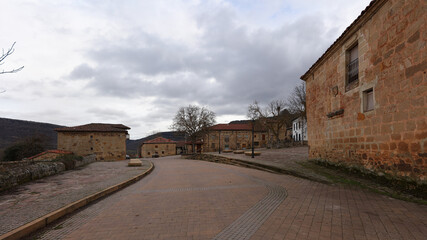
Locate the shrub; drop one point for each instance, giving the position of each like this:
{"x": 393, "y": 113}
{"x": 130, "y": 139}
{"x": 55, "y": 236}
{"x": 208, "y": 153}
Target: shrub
{"x": 69, "y": 160}
{"x": 27, "y": 148}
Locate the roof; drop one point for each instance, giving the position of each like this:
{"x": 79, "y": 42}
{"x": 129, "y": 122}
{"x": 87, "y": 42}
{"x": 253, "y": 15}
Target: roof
{"x": 373, "y": 6}
{"x": 159, "y": 140}
{"x": 95, "y": 127}
{"x": 51, "y": 151}
{"x": 231, "y": 127}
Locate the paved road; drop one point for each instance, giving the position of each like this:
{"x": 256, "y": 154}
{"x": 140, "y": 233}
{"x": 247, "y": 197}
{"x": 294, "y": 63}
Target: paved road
{"x": 185, "y": 199}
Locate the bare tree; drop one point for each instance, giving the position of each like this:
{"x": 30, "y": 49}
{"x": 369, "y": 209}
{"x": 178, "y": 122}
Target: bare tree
{"x": 296, "y": 102}
{"x": 275, "y": 117}
{"x": 297, "y": 105}
{"x": 194, "y": 121}
{"x": 4, "y": 55}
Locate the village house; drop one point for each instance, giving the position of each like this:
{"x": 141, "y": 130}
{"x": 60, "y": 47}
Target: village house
{"x": 236, "y": 136}
{"x": 106, "y": 141}
{"x": 299, "y": 129}
{"x": 159, "y": 147}
{"x": 367, "y": 94}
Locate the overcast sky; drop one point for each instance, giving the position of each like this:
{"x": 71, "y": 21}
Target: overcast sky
{"x": 137, "y": 62}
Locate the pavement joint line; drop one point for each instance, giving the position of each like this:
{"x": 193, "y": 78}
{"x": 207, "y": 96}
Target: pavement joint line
{"x": 43, "y": 221}
{"x": 200, "y": 188}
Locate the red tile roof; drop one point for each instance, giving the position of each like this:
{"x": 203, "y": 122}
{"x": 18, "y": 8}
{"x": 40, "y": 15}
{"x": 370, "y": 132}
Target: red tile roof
{"x": 231, "y": 127}
{"x": 373, "y": 5}
{"x": 159, "y": 140}
{"x": 95, "y": 127}
{"x": 51, "y": 151}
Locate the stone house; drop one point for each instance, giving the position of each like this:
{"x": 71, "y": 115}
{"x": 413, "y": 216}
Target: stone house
{"x": 234, "y": 137}
{"x": 158, "y": 146}
{"x": 299, "y": 129}
{"x": 106, "y": 141}
{"x": 367, "y": 94}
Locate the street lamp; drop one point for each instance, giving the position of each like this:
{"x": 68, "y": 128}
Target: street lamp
{"x": 253, "y": 123}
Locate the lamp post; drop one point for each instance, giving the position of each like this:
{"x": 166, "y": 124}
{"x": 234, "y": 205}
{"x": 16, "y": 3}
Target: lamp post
{"x": 253, "y": 123}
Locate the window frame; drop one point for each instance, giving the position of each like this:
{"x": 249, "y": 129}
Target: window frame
{"x": 349, "y": 85}
{"x": 368, "y": 93}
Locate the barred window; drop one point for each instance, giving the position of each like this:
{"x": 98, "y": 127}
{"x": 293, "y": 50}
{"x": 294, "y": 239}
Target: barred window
{"x": 353, "y": 65}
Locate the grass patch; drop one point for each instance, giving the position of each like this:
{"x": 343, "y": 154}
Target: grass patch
{"x": 385, "y": 185}
{"x": 57, "y": 227}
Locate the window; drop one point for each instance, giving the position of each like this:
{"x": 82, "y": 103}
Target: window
{"x": 148, "y": 153}
{"x": 352, "y": 65}
{"x": 256, "y": 144}
{"x": 91, "y": 148}
{"x": 156, "y": 146}
{"x": 263, "y": 137}
{"x": 368, "y": 100}
{"x": 163, "y": 152}
{"x": 226, "y": 139}
{"x": 213, "y": 145}
{"x": 227, "y": 146}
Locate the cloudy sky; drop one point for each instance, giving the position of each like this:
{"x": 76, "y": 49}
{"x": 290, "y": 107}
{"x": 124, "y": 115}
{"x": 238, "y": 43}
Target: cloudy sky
{"x": 137, "y": 61}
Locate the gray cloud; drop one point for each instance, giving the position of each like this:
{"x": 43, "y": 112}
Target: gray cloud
{"x": 231, "y": 65}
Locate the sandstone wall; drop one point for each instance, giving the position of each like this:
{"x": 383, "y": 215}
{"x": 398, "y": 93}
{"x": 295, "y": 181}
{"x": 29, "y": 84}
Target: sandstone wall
{"x": 107, "y": 146}
{"x": 19, "y": 172}
{"x": 393, "y": 61}
{"x": 162, "y": 149}
{"x": 236, "y": 140}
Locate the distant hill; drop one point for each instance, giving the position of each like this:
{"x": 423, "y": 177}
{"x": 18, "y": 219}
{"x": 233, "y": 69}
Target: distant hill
{"x": 132, "y": 145}
{"x": 12, "y": 131}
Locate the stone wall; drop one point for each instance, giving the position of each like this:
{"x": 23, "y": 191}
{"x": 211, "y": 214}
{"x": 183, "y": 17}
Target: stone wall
{"x": 233, "y": 140}
{"x": 106, "y": 145}
{"x": 19, "y": 172}
{"x": 162, "y": 149}
{"x": 392, "y": 137}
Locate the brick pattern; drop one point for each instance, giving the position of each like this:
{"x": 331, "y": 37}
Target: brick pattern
{"x": 391, "y": 138}
{"x": 198, "y": 200}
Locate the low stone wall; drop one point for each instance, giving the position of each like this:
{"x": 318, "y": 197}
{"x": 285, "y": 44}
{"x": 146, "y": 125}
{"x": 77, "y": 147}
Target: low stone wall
{"x": 19, "y": 172}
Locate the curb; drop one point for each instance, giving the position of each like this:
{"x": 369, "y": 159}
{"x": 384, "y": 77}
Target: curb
{"x": 271, "y": 168}
{"x": 43, "y": 221}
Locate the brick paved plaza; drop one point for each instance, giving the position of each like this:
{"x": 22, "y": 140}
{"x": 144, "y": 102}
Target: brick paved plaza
{"x": 186, "y": 199}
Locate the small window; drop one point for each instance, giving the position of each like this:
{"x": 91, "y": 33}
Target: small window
{"x": 163, "y": 152}
{"x": 256, "y": 144}
{"x": 352, "y": 65}
{"x": 368, "y": 100}
{"x": 91, "y": 136}
{"x": 91, "y": 148}
{"x": 226, "y": 138}
{"x": 213, "y": 145}
{"x": 148, "y": 153}
{"x": 263, "y": 137}
{"x": 156, "y": 146}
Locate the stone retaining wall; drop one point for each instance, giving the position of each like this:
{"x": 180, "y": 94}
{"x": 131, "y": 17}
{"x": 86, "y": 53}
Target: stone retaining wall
{"x": 19, "y": 172}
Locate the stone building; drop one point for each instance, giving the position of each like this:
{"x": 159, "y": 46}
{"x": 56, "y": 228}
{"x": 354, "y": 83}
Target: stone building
{"x": 158, "y": 146}
{"x": 367, "y": 94}
{"x": 107, "y": 141}
{"x": 233, "y": 137}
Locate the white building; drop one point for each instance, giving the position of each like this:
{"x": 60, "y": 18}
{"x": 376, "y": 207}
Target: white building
{"x": 299, "y": 129}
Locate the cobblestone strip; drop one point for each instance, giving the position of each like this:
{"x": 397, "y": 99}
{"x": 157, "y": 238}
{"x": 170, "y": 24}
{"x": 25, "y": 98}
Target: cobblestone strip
{"x": 247, "y": 224}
